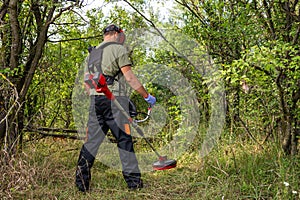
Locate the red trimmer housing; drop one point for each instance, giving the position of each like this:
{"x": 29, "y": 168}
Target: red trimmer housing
{"x": 163, "y": 163}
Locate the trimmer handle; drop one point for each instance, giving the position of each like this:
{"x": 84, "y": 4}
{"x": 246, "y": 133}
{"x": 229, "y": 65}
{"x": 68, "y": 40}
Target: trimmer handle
{"x": 148, "y": 115}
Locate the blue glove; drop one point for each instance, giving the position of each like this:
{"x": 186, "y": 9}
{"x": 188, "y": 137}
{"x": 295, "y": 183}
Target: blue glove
{"x": 150, "y": 99}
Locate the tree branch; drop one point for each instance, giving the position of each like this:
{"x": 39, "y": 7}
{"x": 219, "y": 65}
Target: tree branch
{"x": 15, "y": 28}
{"x": 44, "y": 131}
{"x": 75, "y": 39}
{"x": 37, "y": 50}
{"x": 248, "y": 131}
{"x": 192, "y": 11}
{"x": 160, "y": 33}
{"x": 269, "y": 15}
{"x": 296, "y": 37}
{"x": 3, "y": 10}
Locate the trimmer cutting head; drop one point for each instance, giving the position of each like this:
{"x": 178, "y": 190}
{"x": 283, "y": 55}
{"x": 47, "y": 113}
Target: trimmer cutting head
{"x": 163, "y": 163}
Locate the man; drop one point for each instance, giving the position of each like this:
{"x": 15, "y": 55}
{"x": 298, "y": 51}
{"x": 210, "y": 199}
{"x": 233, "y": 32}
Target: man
{"x": 104, "y": 116}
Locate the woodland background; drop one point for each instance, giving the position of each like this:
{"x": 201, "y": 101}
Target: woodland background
{"x": 255, "y": 45}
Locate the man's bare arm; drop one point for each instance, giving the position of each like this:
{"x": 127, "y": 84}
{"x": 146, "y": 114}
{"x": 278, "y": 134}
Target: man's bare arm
{"x": 133, "y": 81}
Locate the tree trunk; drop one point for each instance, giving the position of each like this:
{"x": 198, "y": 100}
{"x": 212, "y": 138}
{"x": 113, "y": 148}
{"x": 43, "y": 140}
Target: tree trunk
{"x": 289, "y": 120}
{"x": 21, "y": 66}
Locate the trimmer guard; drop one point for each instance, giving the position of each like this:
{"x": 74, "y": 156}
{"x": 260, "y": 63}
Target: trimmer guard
{"x": 164, "y": 164}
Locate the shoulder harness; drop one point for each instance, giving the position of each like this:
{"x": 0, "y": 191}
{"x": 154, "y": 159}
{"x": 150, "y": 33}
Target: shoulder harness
{"x": 95, "y": 60}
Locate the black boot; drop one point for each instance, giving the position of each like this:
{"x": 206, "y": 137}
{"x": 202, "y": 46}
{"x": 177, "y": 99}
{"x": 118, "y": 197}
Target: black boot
{"x": 83, "y": 170}
{"x": 133, "y": 180}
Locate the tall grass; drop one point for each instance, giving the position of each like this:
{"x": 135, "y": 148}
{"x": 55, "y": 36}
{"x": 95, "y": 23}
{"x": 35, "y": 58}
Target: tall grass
{"x": 233, "y": 170}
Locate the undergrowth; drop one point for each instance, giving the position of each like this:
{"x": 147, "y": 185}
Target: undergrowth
{"x": 240, "y": 170}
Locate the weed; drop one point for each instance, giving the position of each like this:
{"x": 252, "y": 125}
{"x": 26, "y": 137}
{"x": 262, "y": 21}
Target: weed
{"x": 45, "y": 170}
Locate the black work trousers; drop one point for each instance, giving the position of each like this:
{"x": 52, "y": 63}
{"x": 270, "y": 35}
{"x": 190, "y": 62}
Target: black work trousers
{"x": 104, "y": 116}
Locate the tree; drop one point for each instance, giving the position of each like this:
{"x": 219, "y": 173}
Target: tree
{"x": 25, "y": 27}
{"x": 237, "y": 33}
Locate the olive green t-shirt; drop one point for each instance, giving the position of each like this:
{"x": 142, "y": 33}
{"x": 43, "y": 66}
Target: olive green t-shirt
{"x": 115, "y": 56}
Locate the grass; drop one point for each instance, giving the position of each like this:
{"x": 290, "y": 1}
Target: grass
{"x": 239, "y": 170}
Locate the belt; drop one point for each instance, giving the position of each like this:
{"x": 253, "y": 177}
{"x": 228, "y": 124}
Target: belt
{"x": 94, "y": 93}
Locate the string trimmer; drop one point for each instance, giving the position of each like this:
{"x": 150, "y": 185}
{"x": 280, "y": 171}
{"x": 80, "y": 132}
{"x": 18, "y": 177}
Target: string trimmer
{"x": 163, "y": 162}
